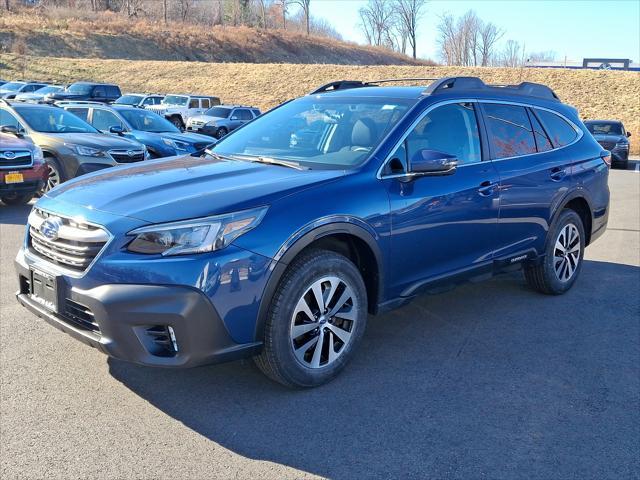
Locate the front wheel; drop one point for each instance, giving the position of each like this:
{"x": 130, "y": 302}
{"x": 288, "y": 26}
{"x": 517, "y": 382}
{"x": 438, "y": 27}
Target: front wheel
{"x": 563, "y": 257}
{"x": 221, "y": 133}
{"x": 316, "y": 320}
{"x": 177, "y": 122}
{"x": 54, "y": 176}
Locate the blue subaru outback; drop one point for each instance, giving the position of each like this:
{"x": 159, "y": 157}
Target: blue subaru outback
{"x": 282, "y": 238}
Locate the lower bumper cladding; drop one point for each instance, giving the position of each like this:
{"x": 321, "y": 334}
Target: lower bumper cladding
{"x": 168, "y": 326}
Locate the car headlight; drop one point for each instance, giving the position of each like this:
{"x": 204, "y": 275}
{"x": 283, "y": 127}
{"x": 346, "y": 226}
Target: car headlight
{"x": 176, "y": 144}
{"x": 211, "y": 123}
{"x": 195, "y": 236}
{"x": 85, "y": 151}
{"x": 622, "y": 145}
{"x": 38, "y": 155}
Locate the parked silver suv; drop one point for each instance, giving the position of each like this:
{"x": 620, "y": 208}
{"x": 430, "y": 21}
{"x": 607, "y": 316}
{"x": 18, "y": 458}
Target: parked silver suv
{"x": 179, "y": 108}
{"x": 220, "y": 120}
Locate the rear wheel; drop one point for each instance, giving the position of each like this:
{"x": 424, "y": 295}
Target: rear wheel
{"x": 563, "y": 257}
{"x": 316, "y": 320}
{"x": 17, "y": 199}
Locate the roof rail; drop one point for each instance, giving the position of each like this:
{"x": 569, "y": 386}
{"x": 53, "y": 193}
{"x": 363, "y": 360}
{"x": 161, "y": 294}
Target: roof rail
{"x": 474, "y": 83}
{"x": 346, "y": 84}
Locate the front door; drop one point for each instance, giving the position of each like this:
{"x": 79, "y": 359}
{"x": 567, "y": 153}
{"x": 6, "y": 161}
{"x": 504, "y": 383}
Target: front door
{"x": 447, "y": 224}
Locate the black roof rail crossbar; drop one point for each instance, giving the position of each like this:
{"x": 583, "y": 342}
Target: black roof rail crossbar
{"x": 474, "y": 83}
{"x": 346, "y": 84}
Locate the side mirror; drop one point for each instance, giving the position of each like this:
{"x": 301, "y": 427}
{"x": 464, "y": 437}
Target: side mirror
{"x": 433, "y": 162}
{"x": 628, "y": 134}
{"x": 234, "y": 118}
{"x": 11, "y": 129}
{"x": 117, "y": 129}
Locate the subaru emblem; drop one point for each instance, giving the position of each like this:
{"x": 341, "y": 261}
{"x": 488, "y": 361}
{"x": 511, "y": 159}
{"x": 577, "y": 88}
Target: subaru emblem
{"x": 9, "y": 155}
{"x": 51, "y": 227}
{"x": 131, "y": 153}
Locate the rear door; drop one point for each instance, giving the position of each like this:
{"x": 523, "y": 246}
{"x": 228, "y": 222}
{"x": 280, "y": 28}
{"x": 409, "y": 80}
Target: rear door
{"x": 533, "y": 177}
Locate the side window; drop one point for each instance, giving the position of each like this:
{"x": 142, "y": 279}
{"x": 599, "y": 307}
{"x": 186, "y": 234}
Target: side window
{"x": 149, "y": 101}
{"x": 103, "y": 120}
{"x": 113, "y": 91}
{"x": 6, "y": 119}
{"x": 204, "y": 103}
{"x": 83, "y": 113}
{"x": 560, "y": 132}
{"x": 193, "y": 103}
{"x": 451, "y": 129}
{"x": 510, "y": 131}
{"x": 256, "y": 112}
{"x": 542, "y": 141}
{"x": 244, "y": 114}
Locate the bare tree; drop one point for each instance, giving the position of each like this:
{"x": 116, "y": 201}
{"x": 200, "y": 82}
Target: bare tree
{"x": 489, "y": 37}
{"x": 376, "y": 19}
{"x": 304, "y": 5}
{"x": 547, "y": 56}
{"x": 409, "y": 13}
{"x": 511, "y": 55}
{"x": 467, "y": 41}
{"x": 284, "y": 6}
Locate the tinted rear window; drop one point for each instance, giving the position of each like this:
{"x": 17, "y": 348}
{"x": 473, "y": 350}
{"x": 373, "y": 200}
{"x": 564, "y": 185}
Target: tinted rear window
{"x": 510, "y": 130}
{"x": 542, "y": 141}
{"x": 560, "y": 132}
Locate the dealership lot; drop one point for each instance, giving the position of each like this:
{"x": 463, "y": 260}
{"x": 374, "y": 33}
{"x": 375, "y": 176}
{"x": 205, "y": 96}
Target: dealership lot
{"x": 488, "y": 380}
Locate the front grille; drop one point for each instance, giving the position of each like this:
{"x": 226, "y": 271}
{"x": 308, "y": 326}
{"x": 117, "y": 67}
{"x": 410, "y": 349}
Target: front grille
{"x": 607, "y": 145}
{"x": 127, "y": 156}
{"x": 75, "y": 246}
{"x": 80, "y": 316}
{"x": 15, "y": 158}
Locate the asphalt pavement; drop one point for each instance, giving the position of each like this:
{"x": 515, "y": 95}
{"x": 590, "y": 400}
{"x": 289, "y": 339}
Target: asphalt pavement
{"x": 490, "y": 380}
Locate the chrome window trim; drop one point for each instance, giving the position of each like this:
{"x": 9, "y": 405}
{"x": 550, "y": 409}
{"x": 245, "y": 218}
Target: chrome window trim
{"x": 49, "y": 267}
{"x": 578, "y": 130}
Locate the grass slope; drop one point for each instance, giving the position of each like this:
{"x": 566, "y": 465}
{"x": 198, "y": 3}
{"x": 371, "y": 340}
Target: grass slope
{"x": 596, "y": 93}
{"x": 113, "y": 36}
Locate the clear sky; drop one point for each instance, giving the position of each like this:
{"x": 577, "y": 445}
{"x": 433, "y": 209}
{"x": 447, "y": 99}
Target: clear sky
{"x": 571, "y": 28}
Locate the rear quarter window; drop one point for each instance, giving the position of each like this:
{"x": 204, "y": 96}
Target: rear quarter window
{"x": 559, "y": 131}
{"x": 113, "y": 91}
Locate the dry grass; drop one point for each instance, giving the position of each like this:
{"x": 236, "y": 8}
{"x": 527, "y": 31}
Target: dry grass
{"x": 596, "y": 93}
{"x": 108, "y": 35}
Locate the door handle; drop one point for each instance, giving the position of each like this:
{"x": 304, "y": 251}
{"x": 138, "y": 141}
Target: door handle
{"x": 486, "y": 188}
{"x": 557, "y": 174}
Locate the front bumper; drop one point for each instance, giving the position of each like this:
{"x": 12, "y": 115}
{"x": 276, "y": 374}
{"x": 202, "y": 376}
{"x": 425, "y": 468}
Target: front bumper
{"x": 209, "y": 130}
{"x": 128, "y": 322}
{"x": 33, "y": 177}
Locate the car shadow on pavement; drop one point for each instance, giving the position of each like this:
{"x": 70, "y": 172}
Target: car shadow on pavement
{"x": 490, "y": 379}
{"x": 14, "y": 215}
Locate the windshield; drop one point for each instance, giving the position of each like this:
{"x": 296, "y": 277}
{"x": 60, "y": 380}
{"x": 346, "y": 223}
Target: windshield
{"x": 12, "y": 86}
{"x": 605, "y": 128}
{"x": 218, "y": 112}
{"x": 147, "y": 121}
{"x": 53, "y": 120}
{"x": 80, "y": 88}
{"x": 48, "y": 89}
{"x": 317, "y": 132}
{"x": 175, "y": 100}
{"x": 129, "y": 99}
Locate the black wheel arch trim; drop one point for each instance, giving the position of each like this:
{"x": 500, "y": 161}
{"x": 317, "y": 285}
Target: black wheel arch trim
{"x": 578, "y": 192}
{"x": 304, "y": 237}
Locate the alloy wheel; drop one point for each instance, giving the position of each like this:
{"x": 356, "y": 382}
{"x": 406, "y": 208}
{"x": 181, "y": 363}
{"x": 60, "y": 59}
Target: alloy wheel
{"x": 566, "y": 253}
{"x": 53, "y": 179}
{"x": 323, "y": 322}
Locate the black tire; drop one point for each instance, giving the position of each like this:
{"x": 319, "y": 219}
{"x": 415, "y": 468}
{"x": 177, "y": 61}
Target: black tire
{"x": 544, "y": 277}
{"x": 277, "y": 359}
{"x": 221, "y": 132}
{"x": 55, "y": 175}
{"x": 177, "y": 121}
{"x": 16, "y": 199}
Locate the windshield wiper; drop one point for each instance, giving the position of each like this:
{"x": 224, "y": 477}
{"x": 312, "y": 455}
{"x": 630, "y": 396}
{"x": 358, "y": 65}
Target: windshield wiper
{"x": 270, "y": 161}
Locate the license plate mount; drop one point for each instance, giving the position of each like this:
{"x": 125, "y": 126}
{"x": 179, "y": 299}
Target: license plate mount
{"x": 44, "y": 289}
{"x": 13, "y": 177}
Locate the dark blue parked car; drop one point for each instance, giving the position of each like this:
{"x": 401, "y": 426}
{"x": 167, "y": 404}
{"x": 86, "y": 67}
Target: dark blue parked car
{"x": 158, "y": 134}
{"x": 280, "y": 249}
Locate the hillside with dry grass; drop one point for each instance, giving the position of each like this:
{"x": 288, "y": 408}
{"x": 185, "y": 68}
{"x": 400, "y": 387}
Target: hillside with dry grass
{"x": 596, "y": 93}
{"x": 116, "y": 37}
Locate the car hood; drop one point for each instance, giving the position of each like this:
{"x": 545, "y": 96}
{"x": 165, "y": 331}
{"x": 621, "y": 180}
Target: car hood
{"x": 609, "y": 138}
{"x": 94, "y": 140}
{"x": 8, "y": 141}
{"x": 183, "y": 137}
{"x": 186, "y": 187}
{"x": 205, "y": 118}
{"x": 29, "y": 96}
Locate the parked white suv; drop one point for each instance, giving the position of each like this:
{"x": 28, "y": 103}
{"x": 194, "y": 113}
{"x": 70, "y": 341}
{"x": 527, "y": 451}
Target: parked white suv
{"x": 179, "y": 108}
